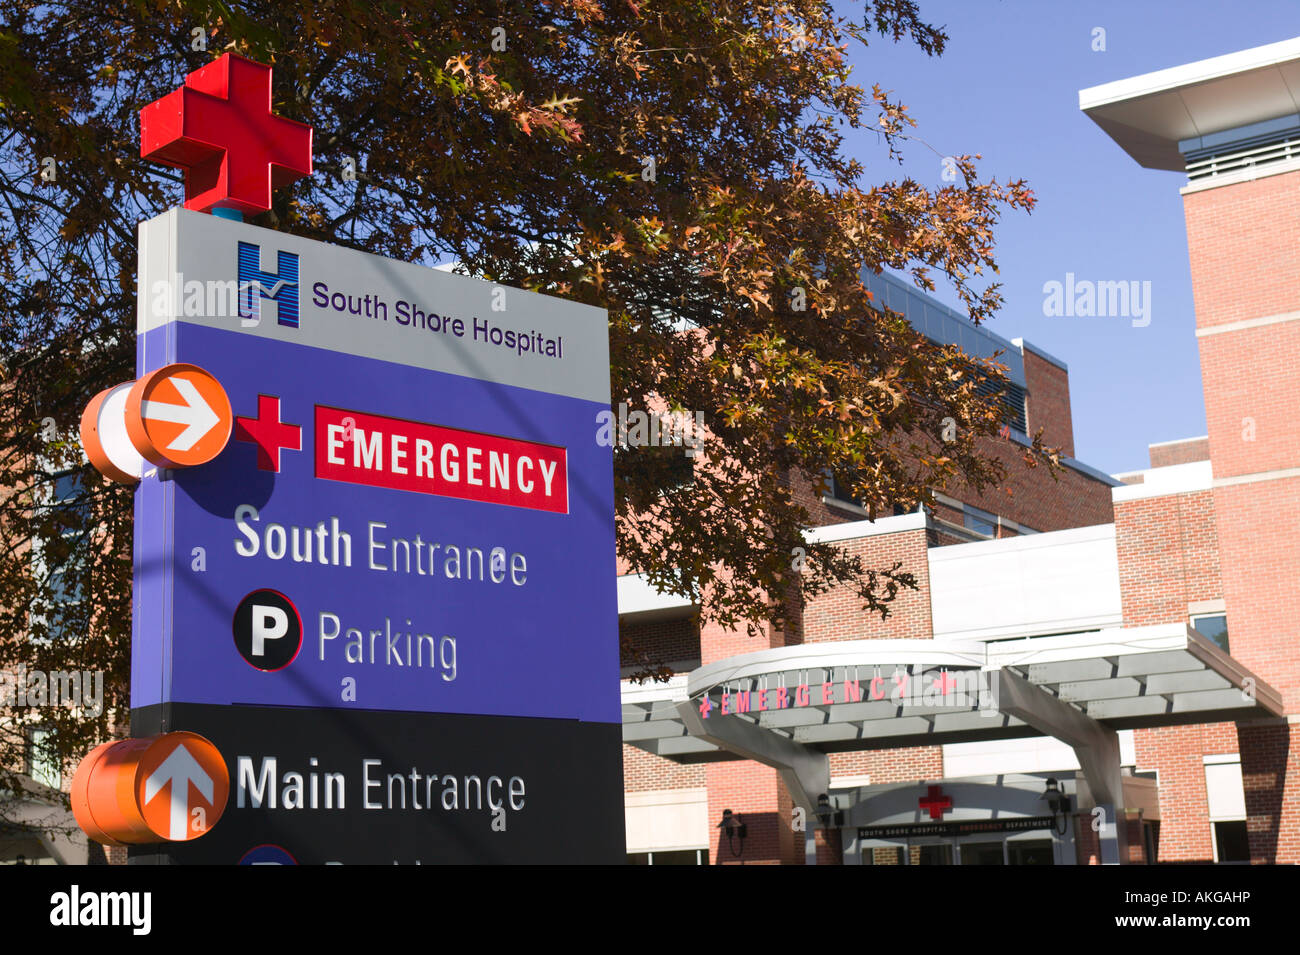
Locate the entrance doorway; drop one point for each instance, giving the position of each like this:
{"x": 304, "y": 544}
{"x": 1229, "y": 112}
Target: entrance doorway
{"x": 1018, "y": 849}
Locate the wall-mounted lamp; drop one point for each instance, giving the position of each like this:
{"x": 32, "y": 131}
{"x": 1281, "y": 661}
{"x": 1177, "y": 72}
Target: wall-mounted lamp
{"x": 1058, "y": 803}
{"x": 733, "y": 826}
{"x": 827, "y": 814}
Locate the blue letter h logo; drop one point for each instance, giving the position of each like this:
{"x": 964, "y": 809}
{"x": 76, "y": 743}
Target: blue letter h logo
{"x": 255, "y": 285}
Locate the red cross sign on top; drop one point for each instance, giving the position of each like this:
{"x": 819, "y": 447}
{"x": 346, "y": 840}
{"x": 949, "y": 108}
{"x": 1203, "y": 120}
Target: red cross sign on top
{"x": 219, "y": 128}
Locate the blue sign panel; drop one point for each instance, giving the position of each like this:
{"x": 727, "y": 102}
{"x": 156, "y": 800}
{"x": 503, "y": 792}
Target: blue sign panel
{"x": 413, "y": 512}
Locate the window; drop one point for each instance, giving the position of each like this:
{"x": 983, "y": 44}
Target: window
{"x": 43, "y": 767}
{"x": 64, "y": 500}
{"x": 1213, "y": 627}
{"x": 1230, "y": 842}
{"x": 981, "y": 522}
{"x": 983, "y": 853}
{"x": 1013, "y": 402}
{"x": 841, "y": 489}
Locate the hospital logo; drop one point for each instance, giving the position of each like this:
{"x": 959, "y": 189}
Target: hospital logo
{"x": 267, "y": 294}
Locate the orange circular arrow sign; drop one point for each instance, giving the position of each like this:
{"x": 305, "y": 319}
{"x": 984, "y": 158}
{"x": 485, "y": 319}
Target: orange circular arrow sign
{"x": 104, "y": 437}
{"x": 178, "y": 416}
{"x": 167, "y": 788}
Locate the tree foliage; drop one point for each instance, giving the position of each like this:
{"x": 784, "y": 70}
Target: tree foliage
{"x": 516, "y": 138}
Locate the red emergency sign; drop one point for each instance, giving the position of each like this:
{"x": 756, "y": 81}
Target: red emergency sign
{"x": 379, "y": 451}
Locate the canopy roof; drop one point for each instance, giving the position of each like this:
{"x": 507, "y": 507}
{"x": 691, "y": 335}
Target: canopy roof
{"x": 878, "y": 694}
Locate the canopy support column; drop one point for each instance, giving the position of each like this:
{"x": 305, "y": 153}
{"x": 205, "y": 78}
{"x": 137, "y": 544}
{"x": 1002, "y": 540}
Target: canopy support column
{"x": 805, "y": 772}
{"x": 1096, "y": 747}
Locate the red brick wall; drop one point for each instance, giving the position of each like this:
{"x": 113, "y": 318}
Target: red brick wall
{"x": 912, "y": 764}
{"x": 644, "y": 771}
{"x": 838, "y": 614}
{"x": 1027, "y": 495}
{"x": 1048, "y": 403}
{"x": 1270, "y": 766}
{"x": 1246, "y": 265}
{"x": 756, "y": 792}
{"x": 1244, "y": 256}
{"x": 1168, "y": 556}
{"x": 1137, "y": 854}
{"x": 1176, "y": 752}
{"x": 1087, "y": 843}
{"x": 830, "y": 846}
{"x": 819, "y": 513}
{"x": 1179, "y": 452}
{"x": 1250, "y": 396}
{"x": 1261, "y": 580}
{"x": 664, "y": 641}
{"x": 1030, "y": 496}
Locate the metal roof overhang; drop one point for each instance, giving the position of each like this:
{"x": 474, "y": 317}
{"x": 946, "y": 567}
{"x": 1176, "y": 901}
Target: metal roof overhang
{"x": 1149, "y": 115}
{"x": 1164, "y": 675}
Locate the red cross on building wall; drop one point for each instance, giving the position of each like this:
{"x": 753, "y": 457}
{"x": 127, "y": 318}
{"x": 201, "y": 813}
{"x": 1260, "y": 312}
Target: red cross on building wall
{"x": 935, "y": 802}
{"x": 219, "y": 128}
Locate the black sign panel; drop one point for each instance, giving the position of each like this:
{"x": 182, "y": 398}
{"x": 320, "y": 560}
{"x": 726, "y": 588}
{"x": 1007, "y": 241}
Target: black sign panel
{"x": 965, "y": 827}
{"x": 315, "y": 786}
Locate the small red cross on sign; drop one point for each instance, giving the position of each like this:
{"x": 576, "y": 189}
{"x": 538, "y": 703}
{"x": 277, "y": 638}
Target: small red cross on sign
{"x": 267, "y": 432}
{"x": 219, "y": 128}
{"x": 937, "y": 804}
{"x": 944, "y": 683}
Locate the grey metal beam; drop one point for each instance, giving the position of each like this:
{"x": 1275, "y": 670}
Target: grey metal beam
{"x": 1226, "y": 699}
{"x": 656, "y": 729}
{"x": 1095, "y": 746}
{"x": 805, "y": 716}
{"x": 1185, "y": 682}
{"x": 1070, "y": 671}
{"x": 1167, "y": 661}
{"x": 805, "y": 772}
{"x": 682, "y": 746}
{"x": 901, "y": 726}
{"x": 1099, "y": 689}
{"x": 1134, "y": 706}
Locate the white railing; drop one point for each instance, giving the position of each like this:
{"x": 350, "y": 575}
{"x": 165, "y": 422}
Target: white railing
{"x": 1233, "y": 162}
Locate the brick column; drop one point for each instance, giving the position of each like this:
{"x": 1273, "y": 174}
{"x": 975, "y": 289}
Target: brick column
{"x": 1245, "y": 264}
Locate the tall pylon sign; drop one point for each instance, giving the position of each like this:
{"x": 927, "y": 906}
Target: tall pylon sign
{"x": 374, "y": 536}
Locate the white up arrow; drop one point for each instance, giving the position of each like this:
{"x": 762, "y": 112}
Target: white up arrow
{"x": 195, "y": 414}
{"x": 180, "y": 769}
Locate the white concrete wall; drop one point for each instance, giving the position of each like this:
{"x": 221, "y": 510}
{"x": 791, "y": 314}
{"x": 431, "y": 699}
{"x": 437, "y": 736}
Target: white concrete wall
{"x": 662, "y": 820}
{"x": 636, "y": 595}
{"x": 1056, "y": 582}
{"x": 1034, "y": 754}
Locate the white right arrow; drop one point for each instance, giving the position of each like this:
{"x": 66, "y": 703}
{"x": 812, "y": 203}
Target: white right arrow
{"x": 180, "y": 769}
{"x": 198, "y": 417}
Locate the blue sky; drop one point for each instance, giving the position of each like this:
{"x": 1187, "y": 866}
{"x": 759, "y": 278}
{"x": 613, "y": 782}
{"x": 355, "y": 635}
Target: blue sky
{"x": 1007, "y": 87}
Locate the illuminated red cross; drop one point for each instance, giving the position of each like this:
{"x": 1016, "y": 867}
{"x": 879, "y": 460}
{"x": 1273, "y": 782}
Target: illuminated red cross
{"x": 268, "y": 433}
{"x": 936, "y": 803}
{"x": 219, "y": 128}
{"x": 944, "y": 683}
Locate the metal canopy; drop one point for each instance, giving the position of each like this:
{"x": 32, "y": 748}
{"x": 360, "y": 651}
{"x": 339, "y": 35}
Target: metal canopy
{"x": 931, "y": 692}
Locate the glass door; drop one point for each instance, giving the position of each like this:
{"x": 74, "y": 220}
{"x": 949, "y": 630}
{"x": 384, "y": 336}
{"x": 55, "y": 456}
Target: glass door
{"x": 984, "y": 853}
{"x": 918, "y": 851}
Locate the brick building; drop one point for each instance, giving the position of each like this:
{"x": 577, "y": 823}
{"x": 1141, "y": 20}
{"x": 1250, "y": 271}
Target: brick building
{"x": 1095, "y": 669}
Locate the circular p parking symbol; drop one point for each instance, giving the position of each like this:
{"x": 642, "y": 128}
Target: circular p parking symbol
{"x": 268, "y": 630}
